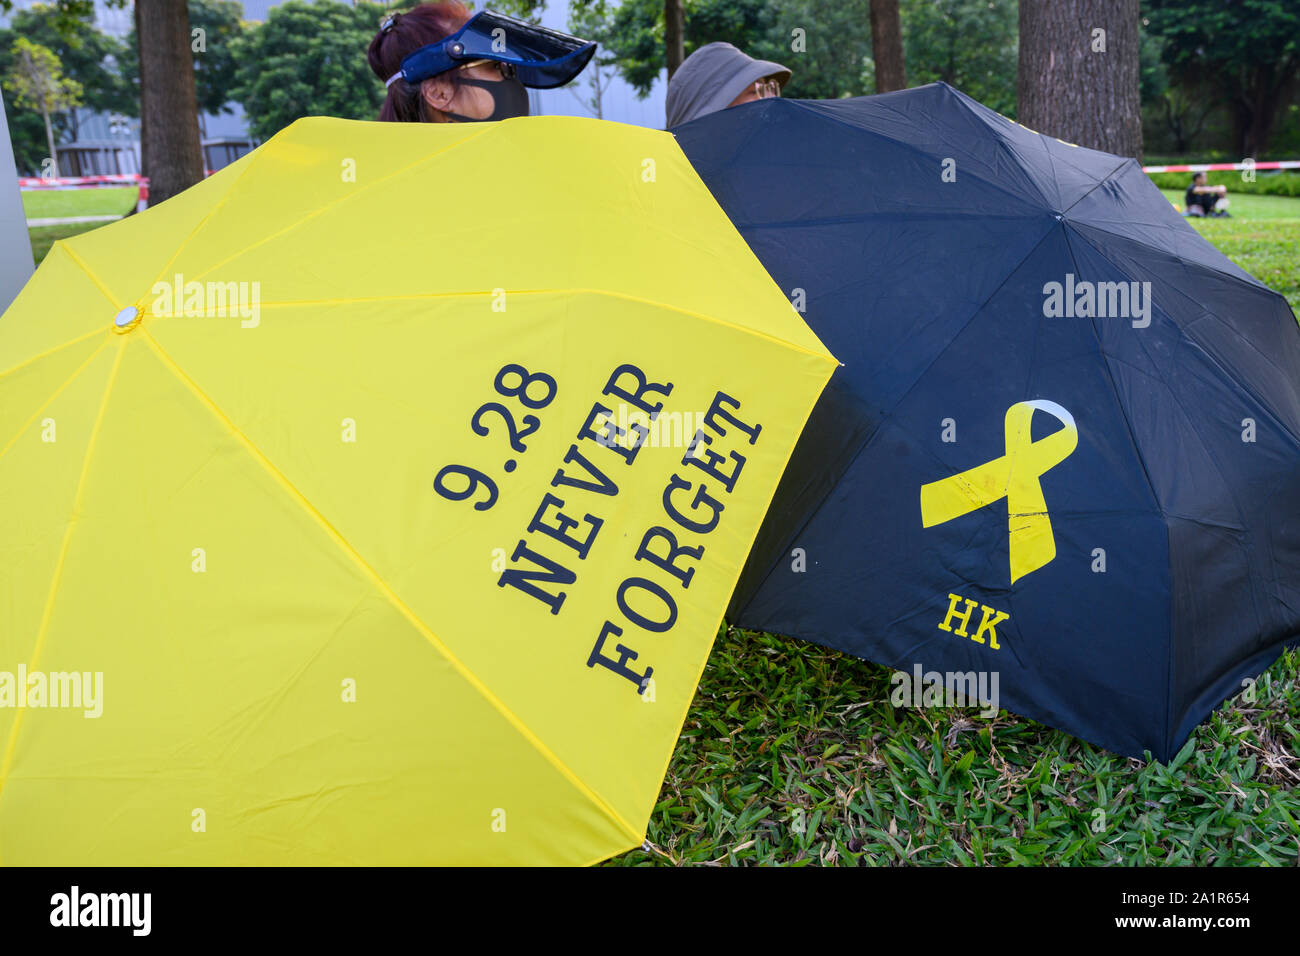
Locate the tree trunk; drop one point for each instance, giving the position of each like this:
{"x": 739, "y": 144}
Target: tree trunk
{"x": 887, "y": 46}
{"x": 1254, "y": 130}
{"x": 169, "y": 132}
{"x": 1253, "y": 115}
{"x": 140, "y": 71}
{"x": 1079, "y": 72}
{"x": 49, "y": 139}
{"x": 674, "y": 40}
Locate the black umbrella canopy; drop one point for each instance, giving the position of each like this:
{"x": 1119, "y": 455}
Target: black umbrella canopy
{"x": 1063, "y": 451}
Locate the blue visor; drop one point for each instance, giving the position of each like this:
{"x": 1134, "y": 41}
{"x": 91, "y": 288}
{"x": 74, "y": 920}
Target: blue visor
{"x": 542, "y": 58}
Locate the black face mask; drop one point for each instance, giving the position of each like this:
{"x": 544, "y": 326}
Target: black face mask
{"x": 509, "y": 98}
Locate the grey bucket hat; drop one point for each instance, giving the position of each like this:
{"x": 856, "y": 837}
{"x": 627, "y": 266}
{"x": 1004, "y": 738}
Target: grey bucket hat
{"x": 711, "y": 77}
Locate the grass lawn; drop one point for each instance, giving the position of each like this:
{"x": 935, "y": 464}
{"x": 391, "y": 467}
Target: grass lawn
{"x": 793, "y": 754}
{"x": 66, "y": 203}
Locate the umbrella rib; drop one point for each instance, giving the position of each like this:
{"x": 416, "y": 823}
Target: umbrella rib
{"x": 320, "y": 210}
{"x": 77, "y": 261}
{"x": 51, "y": 351}
{"x": 1151, "y": 488}
{"x": 875, "y": 433}
{"x": 57, "y": 576}
{"x": 62, "y": 246}
{"x": 1251, "y": 282}
{"x": 825, "y": 354}
{"x": 1187, "y": 337}
{"x": 1099, "y": 225}
{"x": 208, "y": 215}
{"x": 908, "y": 146}
{"x": 91, "y": 275}
{"x": 416, "y": 297}
{"x": 1047, "y": 152}
{"x": 387, "y": 591}
{"x": 1097, "y": 185}
{"x": 57, "y": 392}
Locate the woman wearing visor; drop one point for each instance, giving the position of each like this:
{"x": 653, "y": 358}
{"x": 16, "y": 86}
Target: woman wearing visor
{"x": 442, "y": 65}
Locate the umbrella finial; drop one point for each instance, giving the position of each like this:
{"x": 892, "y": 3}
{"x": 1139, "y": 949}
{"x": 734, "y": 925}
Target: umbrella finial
{"x": 127, "y": 319}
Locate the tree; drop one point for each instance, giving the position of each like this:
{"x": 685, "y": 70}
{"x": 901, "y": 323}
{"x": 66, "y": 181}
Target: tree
{"x": 214, "y": 27}
{"x": 1243, "y": 53}
{"x": 37, "y": 81}
{"x": 674, "y": 35}
{"x": 825, "y": 44}
{"x": 67, "y": 12}
{"x": 306, "y": 60}
{"x": 87, "y": 55}
{"x": 887, "y": 46}
{"x": 831, "y": 55}
{"x": 169, "y": 118}
{"x": 530, "y": 10}
{"x": 591, "y": 22}
{"x": 1182, "y": 107}
{"x": 169, "y": 127}
{"x": 1078, "y": 72}
{"x": 969, "y": 44}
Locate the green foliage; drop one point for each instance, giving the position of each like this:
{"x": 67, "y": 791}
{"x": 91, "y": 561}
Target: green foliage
{"x": 37, "y": 81}
{"x": 792, "y": 754}
{"x": 634, "y": 36}
{"x": 835, "y": 39}
{"x": 88, "y": 57}
{"x": 1226, "y": 37}
{"x": 221, "y": 23}
{"x": 67, "y": 13}
{"x": 969, "y": 44}
{"x": 1243, "y": 54}
{"x": 530, "y": 10}
{"x": 590, "y": 19}
{"x": 837, "y": 59}
{"x": 307, "y": 59}
{"x": 1174, "y": 113}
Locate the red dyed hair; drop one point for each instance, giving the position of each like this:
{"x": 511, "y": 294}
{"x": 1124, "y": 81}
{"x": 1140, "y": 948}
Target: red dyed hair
{"x": 419, "y": 26}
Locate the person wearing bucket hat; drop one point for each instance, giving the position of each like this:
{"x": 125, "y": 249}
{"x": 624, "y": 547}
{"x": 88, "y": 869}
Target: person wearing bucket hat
{"x": 717, "y": 76}
{"x": 440, "y": 64}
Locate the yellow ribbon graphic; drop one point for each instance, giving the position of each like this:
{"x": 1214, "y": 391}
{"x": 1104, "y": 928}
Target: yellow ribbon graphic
{"x": 1014, "y": 476}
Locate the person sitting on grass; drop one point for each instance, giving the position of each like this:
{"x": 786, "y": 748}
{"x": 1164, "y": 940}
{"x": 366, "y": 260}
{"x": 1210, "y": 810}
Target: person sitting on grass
{"x": 1203, "y": 200}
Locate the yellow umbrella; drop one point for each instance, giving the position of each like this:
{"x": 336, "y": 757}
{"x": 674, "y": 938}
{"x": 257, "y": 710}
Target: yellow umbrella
{"x": 334, "y": 526}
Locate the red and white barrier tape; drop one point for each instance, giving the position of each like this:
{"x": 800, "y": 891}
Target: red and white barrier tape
{"x": 1207, "y": 167}
{"x": 66, "y": 182}
{"x": 77, "y": 182}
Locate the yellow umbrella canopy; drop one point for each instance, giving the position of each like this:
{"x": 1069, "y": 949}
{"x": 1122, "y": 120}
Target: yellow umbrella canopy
{"x": 376, "y": 501}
